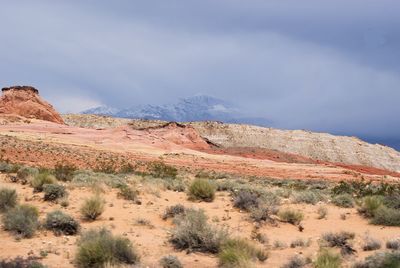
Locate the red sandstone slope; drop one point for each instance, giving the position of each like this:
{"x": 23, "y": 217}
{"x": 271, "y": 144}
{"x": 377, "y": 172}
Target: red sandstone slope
{"x": 25, "y": 101}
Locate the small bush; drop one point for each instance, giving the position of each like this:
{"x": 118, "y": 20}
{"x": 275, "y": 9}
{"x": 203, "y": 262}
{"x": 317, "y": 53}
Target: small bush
{"x": 322, "y": 212}
{"x": 307, "y": 197}
{"x": 279, "y": 244}
{"x": 170, "y": 262}
{"x": 172, "y": 211}
{"x": 290, "y": 216}
{"x": 339, "y": 239}
{"x": 19, "y": 262}
{"x": 97, "y": 248}
{"x": 92, "y": 208}
{"x": 386, "y": 216}
{"x": 343, "y": 201}
{"x": 371, "y": 244}
{"x": 327, "y": 259}
{"x": 238, "y": 253}
{"x": 261, "y": 214}
{"x": 159, "y": 169}
{"x": 8, "y": 199}
{"x": 41, "y": 179}
{"x": 381, "y": 260}
{"x": 295, "y": 262}
{"x": 24, "y": 174}
{"x": 300, "y": 243}
{"x": 23, "y": 220}
{"x": 64, "y": 172}
{"x": 53, "y": 192}
{"x": 192, "y": 232}
{"x": 128, "y": 193}
{"x": 202, "y": 189}
{"x": 246, "y": 200}
{"x": 61, "y": 223}
{"x": 393, "y": 244}
{"x": 369, "y": 205}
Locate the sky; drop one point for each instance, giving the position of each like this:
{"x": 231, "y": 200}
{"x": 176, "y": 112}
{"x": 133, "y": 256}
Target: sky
{"x": 329, "y": 66}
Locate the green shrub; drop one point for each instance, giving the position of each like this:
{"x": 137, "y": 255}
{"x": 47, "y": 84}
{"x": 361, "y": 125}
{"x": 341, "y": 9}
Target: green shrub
{"x": 170, "y": 262}
{"x": 159, "y": 169}
{"x": 53, "y": 192}
{"x": 338, "y": 239}
{"x": 381, "y": 260}
{"x": 370, "y": 204}
{"x": 291, "y": 216}
{"x": 193, "y": 233}
{"x": 295, "y": 262}
{"x": 299, "y": 242}
{"x": 327, "y": 259}
{"x": 8, "y": 199}
{"x": 172, "y": 211}
{"x": 41, "y": 179}
{"x": 202, "y": 189}
{"x": 386, "y": 216}
{"x": 61, "y": 223}
{"x": 25, "y": 174}
{"x": 343, "y": 201}
{"x": 261, "y": 214}
{"x": 392, "y": 201}
{"x": 64, "y": 172}
{"x": 96, "y": 248}
{"x": 307, "y": 197}
{"x": 238, "y": 253}
{"x": 128, "y": 193}
{"x": 23, "y": 220}
{"x": 92, "y": 208}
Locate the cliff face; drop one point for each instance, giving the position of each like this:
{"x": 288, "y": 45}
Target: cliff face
{"x": 25, "y": 101}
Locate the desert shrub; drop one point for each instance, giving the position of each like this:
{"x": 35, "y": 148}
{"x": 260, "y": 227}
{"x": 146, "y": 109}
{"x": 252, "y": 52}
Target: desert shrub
{"x": 246, "y": 200}
{"x": 202, "y": 189}
{"x": 343, "y": 201}
{"x": 362, "y": 188}
{"x": 170, "y": 262}
{"x": 386, "y": 216}
{"x": 128, "y": 193}
{"x": 23, "y": 220}
{"x": 290, "y": 216}
{"x": 338, "y": 239}
{"x": 307, "y": 197}
{"x": 97, "y": 248}
{"x": 322, "y": 212}
{"x": 172, "y": 211}
{"x": 19, "y": 262}
{"x": 392, "y": 201}
{"x": 393, "y": 244}
{"x": 371, "y": 244}
{"x": 177, "y": 184}
{"x": 295, "y": 262}
{"x": 64, "y": 172}
{"x": 7, "y": 167}
{"x": 261, "y": 214}
{"x": 53, "y": 192}
{"x": 370, "y": 204}
{"x": 160, "y": 170}
{"x": 238, "y": 253}
{"x": 41, "y": 179}
{"x": 92, "y": 208}
{"x": 381, "y": 260}
{"x": 192, "y": 232}
{"x": 90, "y": 178}
{"x": 299, "y": 242}
{"x": 24, "y": 174}
{"x": 327, "y": 259}
{"x": 8, "y": 199}
{"x": 278, "y": 244}
{"x": 61, "y": 223}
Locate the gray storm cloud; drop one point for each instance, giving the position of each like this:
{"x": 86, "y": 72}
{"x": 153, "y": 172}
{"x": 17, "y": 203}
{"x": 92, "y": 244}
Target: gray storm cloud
{"x": 325, "y": 66}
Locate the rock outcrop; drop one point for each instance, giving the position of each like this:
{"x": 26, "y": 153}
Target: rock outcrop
{"x": 25, "y": 101}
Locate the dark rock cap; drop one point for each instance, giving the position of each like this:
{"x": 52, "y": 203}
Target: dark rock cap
{"x": 34, "y": 90}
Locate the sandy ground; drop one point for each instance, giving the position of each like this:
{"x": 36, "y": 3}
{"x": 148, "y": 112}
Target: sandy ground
{"x": 152, "y": 241}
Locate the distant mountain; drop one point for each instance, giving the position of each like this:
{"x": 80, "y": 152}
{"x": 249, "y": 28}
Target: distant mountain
{"x": 197, "y": 108}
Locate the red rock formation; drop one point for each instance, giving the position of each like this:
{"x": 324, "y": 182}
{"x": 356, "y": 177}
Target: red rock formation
{"x": 25, "y": 101}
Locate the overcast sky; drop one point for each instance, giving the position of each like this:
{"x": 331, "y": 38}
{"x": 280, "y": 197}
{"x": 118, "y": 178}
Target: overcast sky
{"x": 310, "y": 64}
